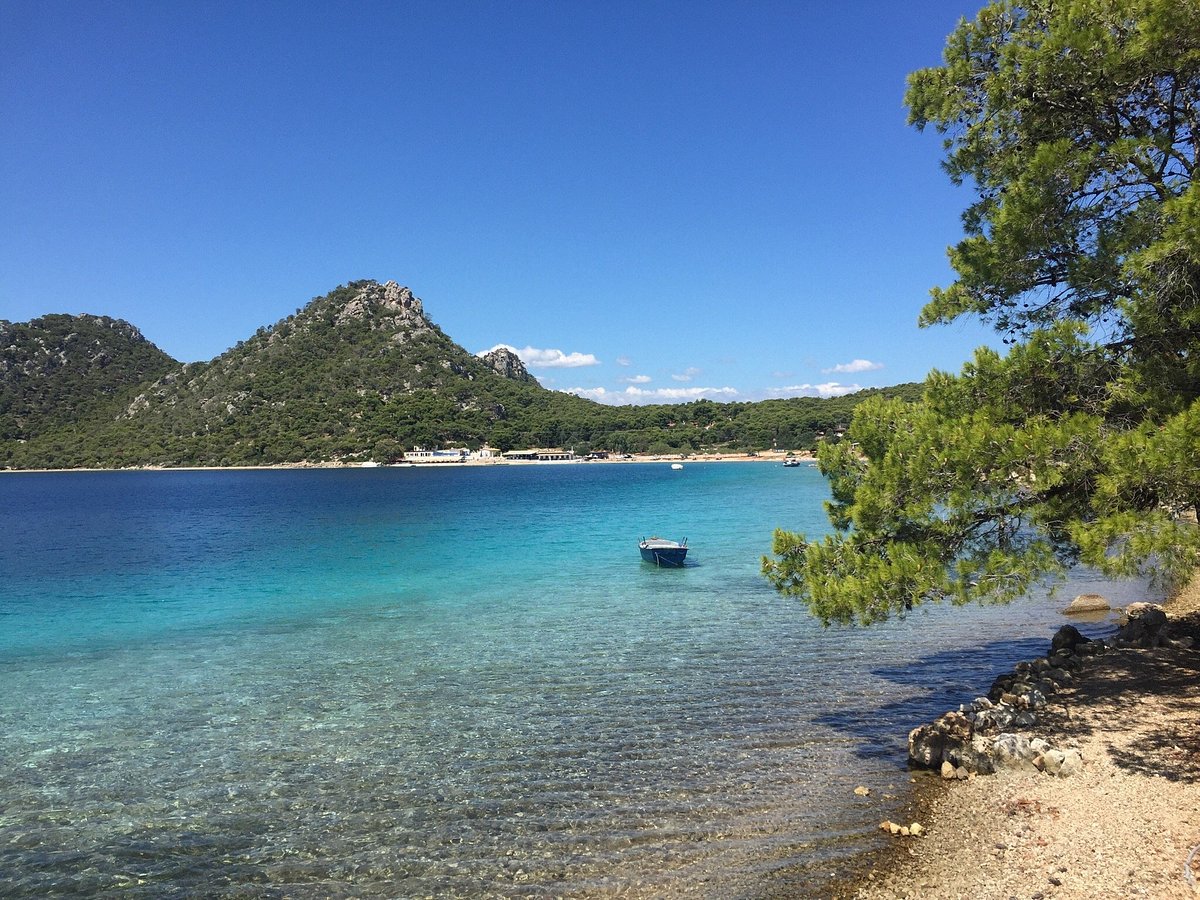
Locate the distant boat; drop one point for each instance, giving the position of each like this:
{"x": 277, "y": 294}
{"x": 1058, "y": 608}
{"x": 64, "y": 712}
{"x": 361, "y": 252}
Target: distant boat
{"x": 791, "y": 463}
{"x": 662, "y": 552}
{"x": 676, "y": 465}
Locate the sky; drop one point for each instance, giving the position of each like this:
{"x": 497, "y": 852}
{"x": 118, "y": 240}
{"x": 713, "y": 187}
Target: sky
{"x": 650, "y": 201}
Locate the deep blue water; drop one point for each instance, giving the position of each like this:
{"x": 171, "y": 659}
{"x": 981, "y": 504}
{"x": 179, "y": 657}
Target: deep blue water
{"x": 447, "y": 682}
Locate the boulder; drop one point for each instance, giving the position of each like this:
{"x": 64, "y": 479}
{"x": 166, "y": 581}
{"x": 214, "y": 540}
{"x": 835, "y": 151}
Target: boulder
{"x": 1087, "y": 603}
{"x": 1059, "y": 676}
{"x": 1145, "y": 625}
{"x": 1000, "y": 687}
{"x": 1072, "y": 763}
{"x": 1064, "y": 659}
{"x": 927, "y": 744}
{"x": 973, "y": 756}
{"x": 995, "y": 720}
{"x": 1052, "y": 761}
{"x": 1067, "y": 638}
{"x": 1012, "y": 751}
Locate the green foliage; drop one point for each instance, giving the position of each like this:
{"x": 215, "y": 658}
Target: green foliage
{"x": 1078, "y": 125}
{"x": 59, "y": 370}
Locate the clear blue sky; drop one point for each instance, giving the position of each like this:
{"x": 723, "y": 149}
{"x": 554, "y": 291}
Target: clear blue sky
{"x": 693, "y": 198}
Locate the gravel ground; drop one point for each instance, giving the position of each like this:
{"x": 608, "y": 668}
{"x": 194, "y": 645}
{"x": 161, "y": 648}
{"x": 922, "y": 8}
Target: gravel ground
{"x": 1123, "y": 828}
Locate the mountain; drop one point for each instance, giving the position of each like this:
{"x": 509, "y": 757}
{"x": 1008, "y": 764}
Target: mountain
{"x": 358, "y": 374}
{"x": 61, "y": 370}
{"x": 361, "y": 372}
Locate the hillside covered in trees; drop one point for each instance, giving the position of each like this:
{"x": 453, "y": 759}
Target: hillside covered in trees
{"x": 358, "y": 374}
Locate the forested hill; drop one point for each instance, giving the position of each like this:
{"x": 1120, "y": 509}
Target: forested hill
{"x": 358, "y": 374}
{"x": 59, "y": 371}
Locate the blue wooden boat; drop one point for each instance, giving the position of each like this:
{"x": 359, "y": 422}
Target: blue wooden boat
{"x": 662, "y": 552}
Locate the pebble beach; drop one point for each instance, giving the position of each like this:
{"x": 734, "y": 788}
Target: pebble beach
{"x": 1127, "y": 826}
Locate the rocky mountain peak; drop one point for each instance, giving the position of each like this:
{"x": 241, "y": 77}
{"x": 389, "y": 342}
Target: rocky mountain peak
{"x": 504, "y": 362}
{"x": 388, "y": 305}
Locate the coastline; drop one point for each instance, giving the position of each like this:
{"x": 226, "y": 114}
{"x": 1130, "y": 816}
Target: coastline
{"x": 1127, "y": 826}
{"x": 764, "y": 456}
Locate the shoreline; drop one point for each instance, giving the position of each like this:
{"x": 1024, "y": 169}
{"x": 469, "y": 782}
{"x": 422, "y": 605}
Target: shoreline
{"x": 1126, "y": 826}
{"x": 762, "y": 456}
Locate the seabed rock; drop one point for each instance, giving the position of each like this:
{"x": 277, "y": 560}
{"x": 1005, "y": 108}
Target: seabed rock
{"x": 1087, "y": 603}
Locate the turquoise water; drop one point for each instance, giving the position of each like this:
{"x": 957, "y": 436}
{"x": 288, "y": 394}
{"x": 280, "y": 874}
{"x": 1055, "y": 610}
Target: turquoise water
{"x": 419, "y": 682}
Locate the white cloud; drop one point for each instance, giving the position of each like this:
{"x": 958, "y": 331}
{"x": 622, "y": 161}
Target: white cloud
{"x": 828, "y": 389}
{"x": 637, "y": 379}
{"x": 599, "y": 394}
{"x": 687, "y": 374}
{"x": 624, "y": 361}
{"x": 639, "y": 395}
{"x": 550, "y": 358}
{"x": 855, "y": 365}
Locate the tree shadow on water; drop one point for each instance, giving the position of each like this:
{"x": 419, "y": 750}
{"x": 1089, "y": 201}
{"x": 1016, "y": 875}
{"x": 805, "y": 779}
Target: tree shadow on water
{"x": 934, "y": 684}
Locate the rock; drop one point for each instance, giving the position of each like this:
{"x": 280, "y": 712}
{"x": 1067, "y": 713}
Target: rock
{"x": 1031, "y": 699}
{"x": 1136, "y": 610}
{"x": 1067, "y": 638}
{"x": 1072, "y": 763}
{"x": 927, "y": 744}
{"x": 949, "y": 770}
{"x": 862, "y": 791}
{"x": 1059, "y": 676}
{"x": 916, "y": 829}
{"x": 1052, "y": 761}
{"x": 1064, "y": 659}
{"x": 1001, "y": 686}
{"x": 1087, "y": 603}
{"x": 995, "y": 720}
{"x": 1012, "y": 751}
{"x": 973, "y": 756}
{"x": 1145, "y": 625}
{"x": 505, "y": 363}
{"x": 1023, "y": 718}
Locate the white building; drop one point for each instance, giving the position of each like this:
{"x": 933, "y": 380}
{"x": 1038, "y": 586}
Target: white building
{"x": 420, "y": 455}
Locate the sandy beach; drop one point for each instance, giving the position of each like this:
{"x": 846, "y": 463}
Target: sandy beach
{"x": 1127, "y": 826}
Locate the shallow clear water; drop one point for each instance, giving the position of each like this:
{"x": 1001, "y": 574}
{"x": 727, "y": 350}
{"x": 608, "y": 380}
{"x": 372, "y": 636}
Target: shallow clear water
{"x": 465, "y": 682}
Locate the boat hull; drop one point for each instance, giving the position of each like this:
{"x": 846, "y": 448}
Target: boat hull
{"x": 667, "y": 556}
